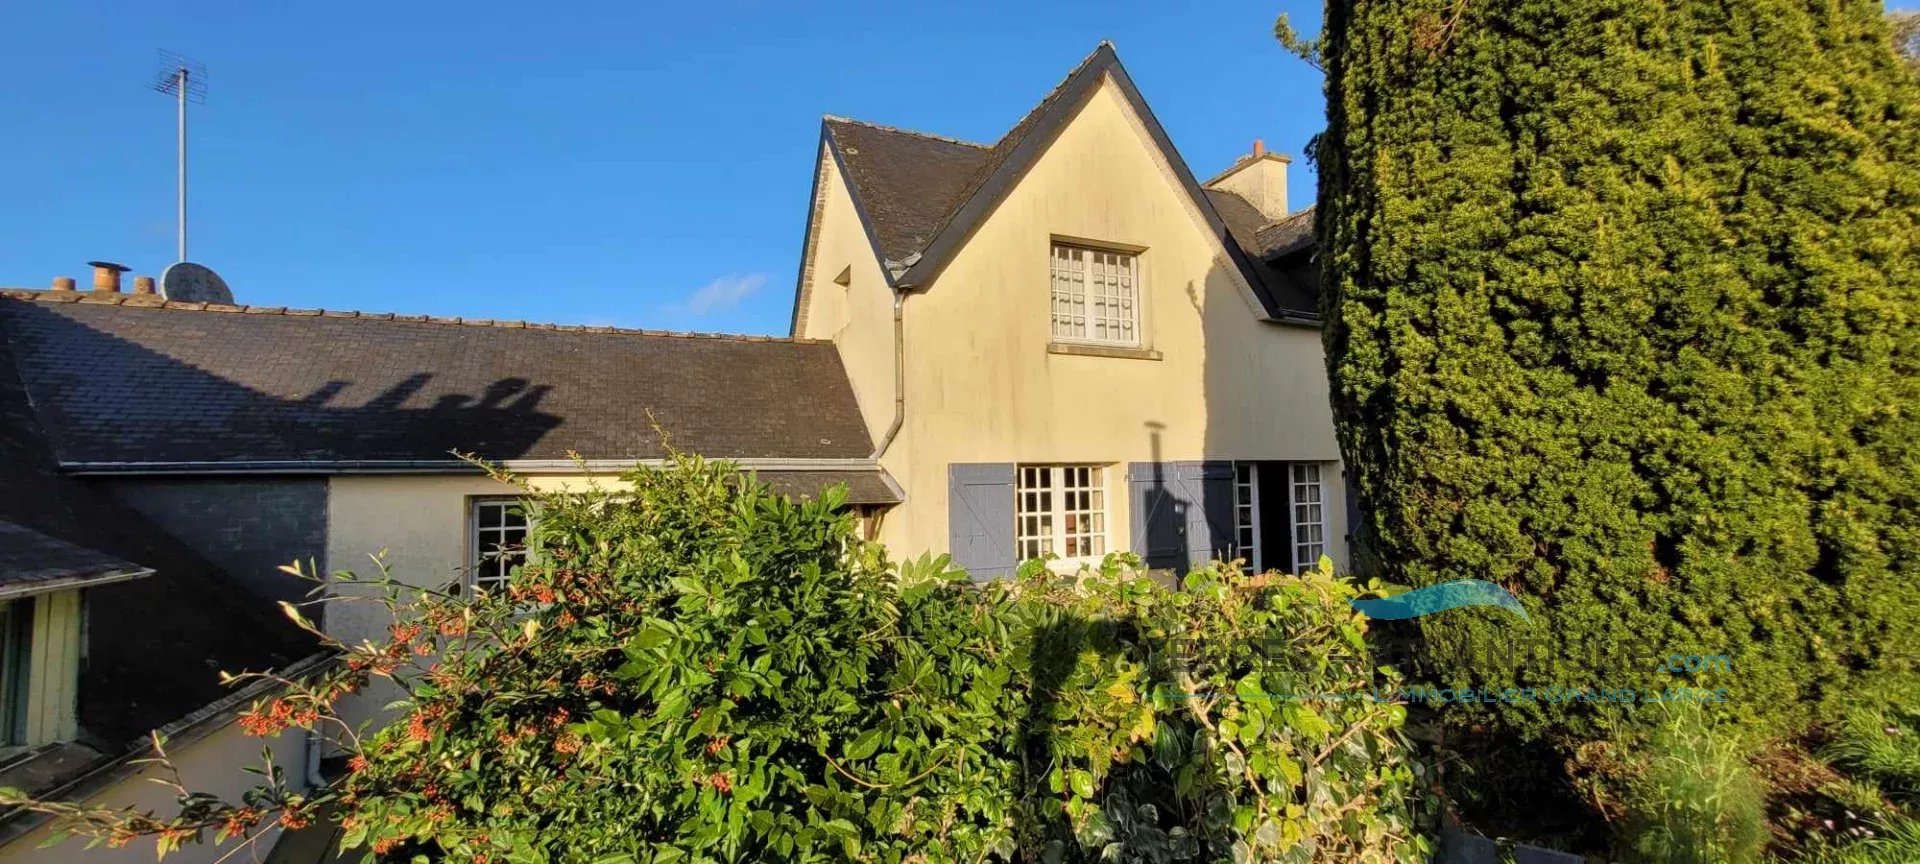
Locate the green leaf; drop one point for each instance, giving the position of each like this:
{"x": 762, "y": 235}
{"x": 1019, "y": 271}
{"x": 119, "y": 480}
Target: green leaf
{"x": 866, "y": 744}
{"x": 1082, "y": 783}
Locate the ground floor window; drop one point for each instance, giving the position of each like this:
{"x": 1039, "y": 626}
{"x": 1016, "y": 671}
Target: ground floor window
{"x": 499, "y": 541}
{"x": 1060, "y": 510}
{"x": 1309, "y": 516}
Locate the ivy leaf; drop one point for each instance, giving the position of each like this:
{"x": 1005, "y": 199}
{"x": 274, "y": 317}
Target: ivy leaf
{"x": 1082, "y": 783}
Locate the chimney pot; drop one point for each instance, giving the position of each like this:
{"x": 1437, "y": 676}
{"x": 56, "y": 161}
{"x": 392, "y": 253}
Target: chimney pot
{"x": 1259, "y": 147}
{"x": 106, "y": 276}
{"x": 63, "y": 283}
{"x": 143, "y": 284}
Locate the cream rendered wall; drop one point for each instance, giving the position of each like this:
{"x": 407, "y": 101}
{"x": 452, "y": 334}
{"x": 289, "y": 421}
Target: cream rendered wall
{"x": 983, "y": 387}
{"x": 859, "y": 317}
{"x": 214, "y": 764}
{"x": 420, "y": 523}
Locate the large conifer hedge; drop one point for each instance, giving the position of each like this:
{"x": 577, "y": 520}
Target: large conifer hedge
{"x": 1622, "y": 303}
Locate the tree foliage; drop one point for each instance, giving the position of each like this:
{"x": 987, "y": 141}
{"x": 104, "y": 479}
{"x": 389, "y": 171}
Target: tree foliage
{"x": 1906, "y": 36}
{"x": 1621, "y": 302}
{"x": 691, "y": 668}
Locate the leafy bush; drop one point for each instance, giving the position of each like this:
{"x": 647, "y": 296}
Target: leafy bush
{"x": 1690, "y": 797}
{"x": 1621, "y": 302}
{"x": 694, "y": 669}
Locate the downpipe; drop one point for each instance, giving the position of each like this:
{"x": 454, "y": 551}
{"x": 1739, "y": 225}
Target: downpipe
{"x": 899, "y": 374}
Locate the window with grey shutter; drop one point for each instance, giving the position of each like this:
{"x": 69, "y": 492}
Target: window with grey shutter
{"x": 980, "y": 518}
{"x": 1159, "y": 515}
{"x": 1182, "y": 512}
{"x": 1210, "y": 531}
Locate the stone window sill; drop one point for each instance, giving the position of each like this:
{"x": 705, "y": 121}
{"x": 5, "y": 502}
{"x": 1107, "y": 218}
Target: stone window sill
{"x": 1116, "y": 351}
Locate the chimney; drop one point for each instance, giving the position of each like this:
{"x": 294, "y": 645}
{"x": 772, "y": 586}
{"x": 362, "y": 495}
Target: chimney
{"x": 63, "y": 283}
{"x": 106, "y": 276}
{"x": 143, "y": 284}
{"x": 1261, "y": 178}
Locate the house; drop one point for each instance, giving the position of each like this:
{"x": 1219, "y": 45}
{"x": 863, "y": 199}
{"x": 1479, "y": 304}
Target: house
{"x": 1059, "y": 344}
{"x": 1066, "y": 345}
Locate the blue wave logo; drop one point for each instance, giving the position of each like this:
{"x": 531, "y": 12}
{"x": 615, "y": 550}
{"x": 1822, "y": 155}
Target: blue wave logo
{"x": 1439, "y": 598}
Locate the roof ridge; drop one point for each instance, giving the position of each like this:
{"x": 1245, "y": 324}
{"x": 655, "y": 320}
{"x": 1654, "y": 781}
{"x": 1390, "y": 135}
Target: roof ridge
{"x": 914, "y": 132}
{"x": 1002, "y": 149}
{"x": 133, "y": 300}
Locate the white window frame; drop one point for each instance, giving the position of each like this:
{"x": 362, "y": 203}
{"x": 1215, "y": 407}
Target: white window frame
{"x": 1307, "y": 509}
{"x": 484, "y": 552}
{"x": 1047, "y": 499}
{"x": 1246, "y": 513}
{"x": 1080, "y": 311}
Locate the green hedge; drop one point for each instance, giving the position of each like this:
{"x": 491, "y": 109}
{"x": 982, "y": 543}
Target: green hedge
{"x": 1622, "y": 304}
{"x": 700, "y": 670}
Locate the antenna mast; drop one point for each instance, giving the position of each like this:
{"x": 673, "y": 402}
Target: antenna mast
{"x": 186, "y": 81}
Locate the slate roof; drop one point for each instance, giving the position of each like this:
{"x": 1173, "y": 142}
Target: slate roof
{"x": 863, "y": 487}
{"x": 921, "y": 194}
{"x": 120, "y": 379}
{"x": 1274, "y": 248}
{"x": 32, "y": 562}
{"x": 156, "y": 645}
{"x": 908, "y": 182}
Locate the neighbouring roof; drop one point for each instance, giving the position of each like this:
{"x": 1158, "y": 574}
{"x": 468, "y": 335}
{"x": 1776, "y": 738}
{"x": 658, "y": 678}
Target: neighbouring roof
{"x": 921, "y": 195}
{"x": 120, "y": 382}
{"x": 156, "y": 646}
{"x": 34, "y": 563}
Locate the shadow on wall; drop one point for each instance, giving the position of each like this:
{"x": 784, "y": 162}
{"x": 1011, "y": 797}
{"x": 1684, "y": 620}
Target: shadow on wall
{"x": 1264, "y": 390}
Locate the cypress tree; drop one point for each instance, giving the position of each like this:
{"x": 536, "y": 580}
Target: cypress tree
{"x": 1622, "y": 304}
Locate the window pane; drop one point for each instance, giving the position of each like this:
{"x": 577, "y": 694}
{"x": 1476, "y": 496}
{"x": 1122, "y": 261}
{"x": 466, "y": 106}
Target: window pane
{"x": 499, "y": 542}
{"x": 1094, "y": 295}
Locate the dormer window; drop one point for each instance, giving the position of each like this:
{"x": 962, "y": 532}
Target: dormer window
{"x": 1096, "y": 295}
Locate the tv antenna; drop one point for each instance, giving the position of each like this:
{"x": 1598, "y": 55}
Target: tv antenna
{"x": 186, "y": 81}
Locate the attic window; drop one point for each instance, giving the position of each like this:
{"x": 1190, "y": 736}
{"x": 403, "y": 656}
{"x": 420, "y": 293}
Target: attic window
{"x": 1095, "y": 295}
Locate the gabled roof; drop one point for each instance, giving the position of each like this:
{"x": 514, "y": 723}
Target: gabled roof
{"x": 126, "y": 385}
{"x": 921, "y": 196}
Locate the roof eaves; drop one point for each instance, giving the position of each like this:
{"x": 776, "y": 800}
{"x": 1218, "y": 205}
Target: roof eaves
{"x": 92, "y": 579}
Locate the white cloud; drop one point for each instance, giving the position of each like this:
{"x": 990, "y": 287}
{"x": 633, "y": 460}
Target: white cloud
{"x": 722, "y": 294}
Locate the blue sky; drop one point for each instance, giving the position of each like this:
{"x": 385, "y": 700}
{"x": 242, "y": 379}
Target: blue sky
{"x": 568, "y": 162}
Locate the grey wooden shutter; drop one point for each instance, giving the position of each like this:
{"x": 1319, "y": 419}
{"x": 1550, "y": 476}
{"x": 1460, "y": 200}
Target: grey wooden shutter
{"x": 980, "y": 518}
{"x": 1209, "y": 488}
{"x": 1159, "y": 514}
